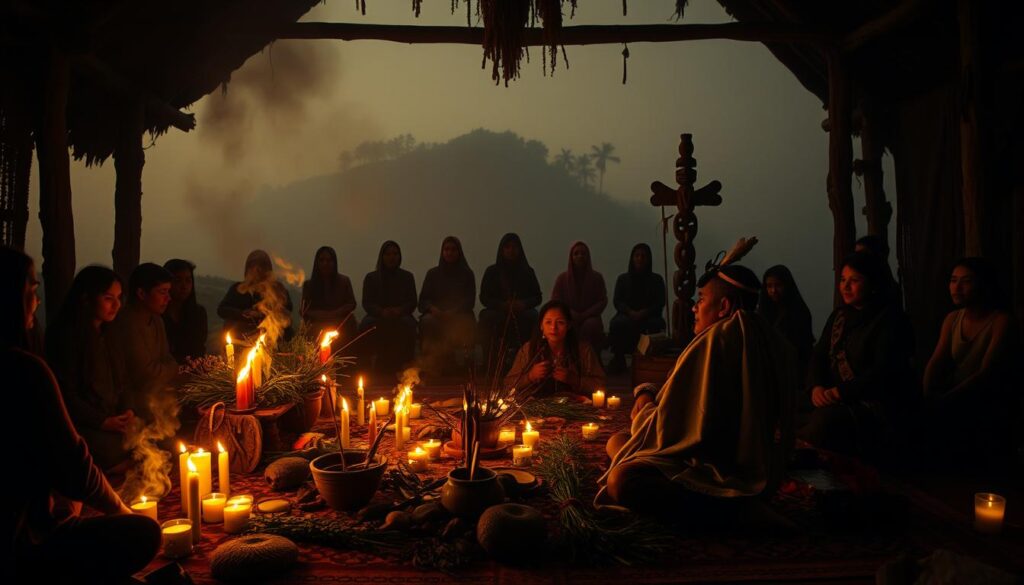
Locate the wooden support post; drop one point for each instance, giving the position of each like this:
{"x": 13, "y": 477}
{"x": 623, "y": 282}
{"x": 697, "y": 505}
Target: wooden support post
{"x": 55, "y": 215}
{"x": 840, "y": 163}
{"x": 970, "y": 137}
{"x": 129, "y": 159}
{"x": 877, "y": 210}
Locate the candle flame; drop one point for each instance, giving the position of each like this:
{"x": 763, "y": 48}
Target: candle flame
{"x": 419, "y": 451}
{"x": 249, "y": 359}
{"x": 528, "y": 427}
{"x": 191, "y": 466}
{"x": 181, "y": 447}
{"x": 344, "y": 405}
{"x": 228, "y": 338}
{"x": 143, "y": 499}
{"x": 199, "y": 451}
{"x": 220, "y": 447}
{"x": 329, "y": 336}
{"x": 360, "y": 381}
{"x": 323, "y": 378}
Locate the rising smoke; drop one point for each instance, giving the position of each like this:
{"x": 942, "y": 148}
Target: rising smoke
{"x": 149, "y": 473}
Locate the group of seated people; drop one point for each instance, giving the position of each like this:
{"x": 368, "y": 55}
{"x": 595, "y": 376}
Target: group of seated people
{"x": 720, "y": 428}
{"x": 448, "y": 328}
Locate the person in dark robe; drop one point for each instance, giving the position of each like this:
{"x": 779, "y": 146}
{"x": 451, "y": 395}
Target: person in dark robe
{"x": 556, "y": 360}
{"x": 784, "y": 308}
{"x": 639, "y": 302}
{"x": 582, "y": 289}
{"x": 389, "y": 298}
{"x": 42, "y": 547}
{"x": 185, "y": 319}
{"x": 878, "y": 248}
{"x": 447, "y": 300}
{"x": 859, "y": 376}
{"x": 510, "y": 294}
{"x": 972, "y": 402}
{"x": 259, "y": 299}
{"x": 89, "y": 365}
{"x": 714, "y": 439}
{"x": 328, "y": 299}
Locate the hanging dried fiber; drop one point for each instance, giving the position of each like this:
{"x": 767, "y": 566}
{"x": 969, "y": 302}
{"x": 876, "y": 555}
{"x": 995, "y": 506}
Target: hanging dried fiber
{"x": 625, "y": 58}
{"x": 505, "y": 23}
{"x": 680, "y": 8}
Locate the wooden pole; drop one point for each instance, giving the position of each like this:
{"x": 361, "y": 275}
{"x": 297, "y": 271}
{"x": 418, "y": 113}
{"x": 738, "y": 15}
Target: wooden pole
{"x": 970, "y": 138}
{"x": 877, "y": 210}
{"x": 840, "y": 163}
{"x": 129, "y": 159}
{"x": 58, "y": 224}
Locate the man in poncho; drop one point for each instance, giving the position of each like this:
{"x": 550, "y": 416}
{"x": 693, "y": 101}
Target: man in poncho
{"x": 719, "y": 429}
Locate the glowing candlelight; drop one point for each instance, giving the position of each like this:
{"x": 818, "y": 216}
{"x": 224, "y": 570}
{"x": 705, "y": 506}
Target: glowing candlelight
{"x": 433, "y": 449}
{"x": 183, "y": 475}
{"x": 530, "y": 436}
{"x": 229, "y": 351}
{"x": 204, "y": 466}
{"x": 415, "y": 410}
{"x": 590, "y": 431}
{"x": 399, "y": 438}
{"x": 614, "y": 402}
{"x": 418, "y": 460}
{"x": 236, "y": 514}
{"x": 383, "y": 406}
{"x": 371, "y": 431}
{"x": 213, "y": 507}
{"x": 176, "y": 536}
{"x": 598, "y": 399}
{"x": 506, "y": 436}
{"x": 193, "y": 501}
{"x": 988, "y": 512}
{"x": 223, "y": 469}
{"x": 245, "y": 386}
{"x": 344, "y": 424}
{"x": 325, "y": 345}
{"x": 522, "y": 455}
{"x": 145, "y": 507}
{"x": 361, "y": 404}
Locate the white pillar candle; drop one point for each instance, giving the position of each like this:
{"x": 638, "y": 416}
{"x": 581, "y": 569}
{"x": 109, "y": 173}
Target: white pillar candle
{"x": 506, "y": 436}
{"x": 223, "y": 470}
{"x": 590, "y": 431}
{"x": 236, "y": 515}
{"x": 988, "y": 512}
{"x": 399, "y": 435}
{"x": 145, "y": 507}
{"x": 530, "y": 436}
{"x": 229, "y": 352}
{"x": 382, "y": 406}
{"x": 522, "y": 455}
{"x": 415, "y": 410}
{"x": 418, "y": 460}
{"x": 344, "y": 424}
{"x": 614, "y": 402}
{"x": 176, "y": 536}
{"x": 193, "y": 501}
{"x": 203, "y": 461}
{"x": 213, "y": 507}
{"x": 406, "y": 434}
{"x": 183, "y": 475}
{"x": 361, "y": 405}
{"x": 598, "y": 398}
{"x": 433, "y": 449}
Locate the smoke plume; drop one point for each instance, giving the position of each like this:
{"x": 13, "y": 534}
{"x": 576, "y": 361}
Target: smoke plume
{"x": 148, "y": 475}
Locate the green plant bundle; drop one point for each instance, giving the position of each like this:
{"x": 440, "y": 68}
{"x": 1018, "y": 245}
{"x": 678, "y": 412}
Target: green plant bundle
{"x": 327, "y": 532}
{"x": 559, "y": 406}
{"x": 588, "y": 535}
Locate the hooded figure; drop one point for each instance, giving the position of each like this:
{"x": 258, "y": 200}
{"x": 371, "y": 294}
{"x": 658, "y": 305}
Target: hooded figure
{"x": 582, "y": 289}
{"x": 327, "y": 297}
{"x": 185, "y": 319}
{"x": 241, "y": 306}
{"x": 510, "y": 293}
{"x": 389, "y": 297}
{"x": 639, "y": 302}
{"x": 446, "y": 305}
{"x": 782, "y": 305}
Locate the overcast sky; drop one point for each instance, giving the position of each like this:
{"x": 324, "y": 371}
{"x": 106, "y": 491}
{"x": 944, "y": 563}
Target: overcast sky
{"x": 292, "y": 109}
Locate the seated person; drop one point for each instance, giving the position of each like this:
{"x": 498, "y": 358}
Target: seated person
{"x": 258, "y": 302}
{"x": 859, "y": 374}
{"x": 90, "y": 366}
{"x": 718, "y": 431}
{"x": 446, "y": 305}
{"x": 328, "y": 299}
{"x": 968, "y": 379}
{"x": 185, "y": 319}
{"x": 784, "y": 308}
{"x": 555, "y": 359}
{"x": 639, "y": 301}
{"x": 142, "y": 340}
{"x": 389, "y": 297}
{"x": 510, "y": 294}
{"x": 582, "y": 289}
{"x": 40, "y": 546}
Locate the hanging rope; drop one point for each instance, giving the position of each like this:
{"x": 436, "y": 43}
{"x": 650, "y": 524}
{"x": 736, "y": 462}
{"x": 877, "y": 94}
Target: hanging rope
{"x": 625, "y": 57}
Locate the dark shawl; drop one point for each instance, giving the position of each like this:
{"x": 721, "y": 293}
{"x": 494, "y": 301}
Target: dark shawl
{"x": 451, "y": 288}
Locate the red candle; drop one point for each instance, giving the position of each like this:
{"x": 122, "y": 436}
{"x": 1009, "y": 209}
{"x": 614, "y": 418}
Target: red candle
{"x": 244, "y": 388}
{"x": 325, "y": 346}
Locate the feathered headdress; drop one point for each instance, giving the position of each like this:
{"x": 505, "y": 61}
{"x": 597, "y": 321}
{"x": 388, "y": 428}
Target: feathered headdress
{"x": 724, "y": 266}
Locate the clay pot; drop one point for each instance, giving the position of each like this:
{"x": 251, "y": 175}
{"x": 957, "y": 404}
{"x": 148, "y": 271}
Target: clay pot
{"x": 490, "y": 432}
{"x": 468, "y": 498}
{"x": 351, "y": 489}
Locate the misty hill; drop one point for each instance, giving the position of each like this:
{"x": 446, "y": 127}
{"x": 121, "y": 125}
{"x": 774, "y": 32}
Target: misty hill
{"x": 477, "y": 187}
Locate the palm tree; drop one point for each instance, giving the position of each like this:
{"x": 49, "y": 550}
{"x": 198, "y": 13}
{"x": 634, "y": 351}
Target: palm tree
{"x": 602, "y": 156}
{"x": 584, "y": 169}
{"x": 565, "y": 160}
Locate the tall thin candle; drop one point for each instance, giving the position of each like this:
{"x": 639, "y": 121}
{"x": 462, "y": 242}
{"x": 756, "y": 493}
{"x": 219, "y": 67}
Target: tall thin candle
{"x": 361, "y": 404}
{"x": 194, "y": 502}
{"x": 344, "y": 424}
{"x": 223, "y": 470}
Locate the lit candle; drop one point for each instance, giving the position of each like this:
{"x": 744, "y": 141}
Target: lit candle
{"x": 344, "y": 424}
{"x": 408, "y": 395}
{"x": 213, "y": 507}
{"x": 418, "y": 460}
{"x": 325, "y": 346}
{"x": 406, "y": 434}
{"x": 371, "y": 430}
{"x": 176, "y": 536}
{"x": 229, "y": 352}
{"x": 145, "y": 507}
{"x": 506, "y": 436}
{"x": 530, "y": 436}
{"x": 223, "y": 470}
{"x": 193, "y": 501}
{"x": 183, "y": 476}
{"x": 382, "y": 406}
{"x": 399, "y": 438}
{"x": 245, "y": 386}
{"x": 614, "y": 402}
{"x": 522, "y": 455}
{"x": 599, "y": 399}
{"x": 988, "y": 512}
{"x": 415, "y": 410}
{"x": 236, "y": 515}
{"x": 204, "y": 466}
{"x": 433, "y": 448}
{"x": 361, "y": 406}
{"x": 590, "y": 431}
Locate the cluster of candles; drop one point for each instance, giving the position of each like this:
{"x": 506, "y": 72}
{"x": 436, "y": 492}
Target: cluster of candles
{"x": 250, "y": 377}
{"x": 612, "y": 403}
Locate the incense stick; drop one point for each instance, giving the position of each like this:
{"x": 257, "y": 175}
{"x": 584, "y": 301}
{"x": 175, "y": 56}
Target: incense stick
{"x": 337, "y": 426}
{"x": 472, "y": 461}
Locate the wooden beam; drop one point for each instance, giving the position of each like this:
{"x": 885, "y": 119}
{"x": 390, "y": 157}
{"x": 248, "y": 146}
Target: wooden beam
{"x": 55, "y": 215}
{"x": 899, "y": 16}
{"x": 129, "y": 159}
{"x": 570, "y": 35}
{"x": 840, "y": 163}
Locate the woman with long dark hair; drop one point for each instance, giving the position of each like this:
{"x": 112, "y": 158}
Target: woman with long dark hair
{"x": 42, "y": 548}
{"x": 389, "y": 297}
{"x": 446, "y": 305}
{"x": 859, "y": 375}
{"x": 258, "y": 298}
{"x": 185, "y": 319}
{"x": 782, "y": 305}
{"x": 556, "y": 359}
{"x": 510, "y": 294}
{"x": 639, "y": 301}
{"x": 90, "y": 366}
{"x": 582, "y": 289}
{"x": 327, "y": 297}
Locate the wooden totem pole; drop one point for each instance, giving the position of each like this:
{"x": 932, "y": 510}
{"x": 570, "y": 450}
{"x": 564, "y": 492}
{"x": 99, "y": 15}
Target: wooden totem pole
{"x": 684, "y": 227}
